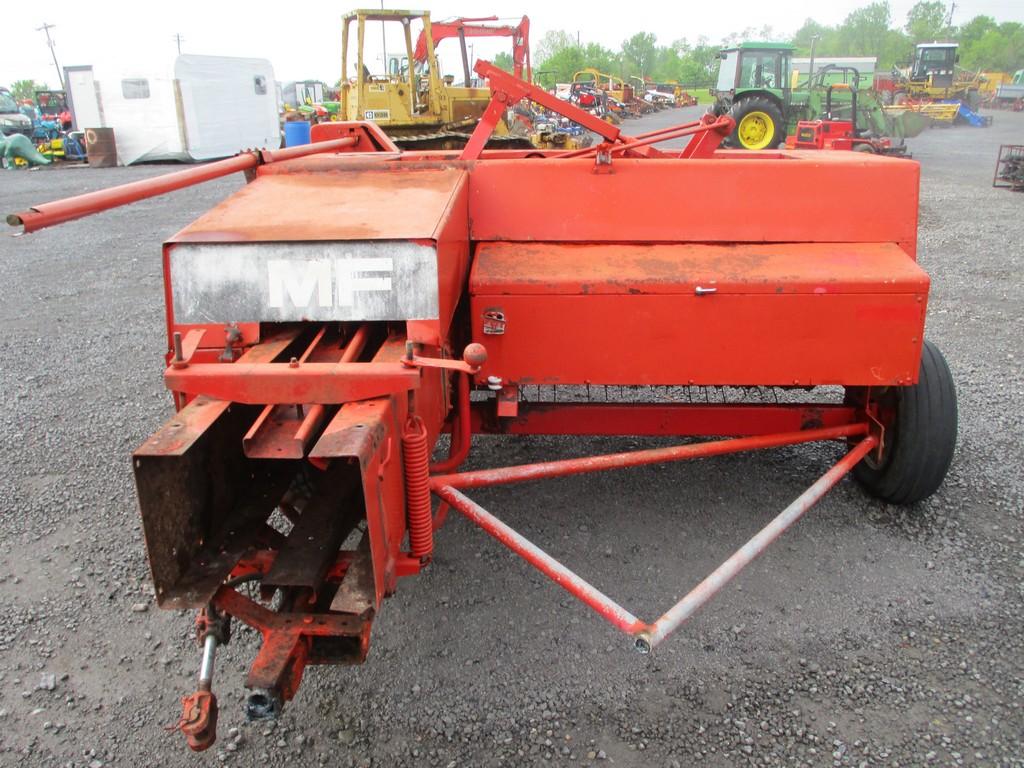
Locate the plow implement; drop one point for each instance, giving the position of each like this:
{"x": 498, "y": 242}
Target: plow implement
{"x": 341, "y": 329}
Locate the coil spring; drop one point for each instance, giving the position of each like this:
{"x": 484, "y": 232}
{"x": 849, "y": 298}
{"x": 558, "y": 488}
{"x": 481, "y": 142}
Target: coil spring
{"x": 416, "y": 462}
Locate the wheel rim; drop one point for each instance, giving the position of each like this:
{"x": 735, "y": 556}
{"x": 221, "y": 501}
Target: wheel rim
{"x": 755, "y": 130}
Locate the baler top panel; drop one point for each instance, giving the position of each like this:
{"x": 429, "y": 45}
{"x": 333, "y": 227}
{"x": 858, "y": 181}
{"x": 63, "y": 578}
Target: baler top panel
{"x": 360, "y": 205}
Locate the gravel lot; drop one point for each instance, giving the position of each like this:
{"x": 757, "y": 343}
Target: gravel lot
{"x": 868, "y": 636}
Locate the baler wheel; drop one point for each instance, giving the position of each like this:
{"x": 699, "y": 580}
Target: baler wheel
{"x": 919, "y": 440}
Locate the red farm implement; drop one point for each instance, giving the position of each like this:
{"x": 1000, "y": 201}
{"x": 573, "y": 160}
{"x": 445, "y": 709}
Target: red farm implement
{"x": 329, "y": 322}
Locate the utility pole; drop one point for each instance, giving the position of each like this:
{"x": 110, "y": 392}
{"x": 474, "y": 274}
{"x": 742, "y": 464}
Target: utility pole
{"x": 49, "y": 41}
{"x": 949, "y": 19}
{"x": 178, "y": 38}
{"x": 384, "y": 42}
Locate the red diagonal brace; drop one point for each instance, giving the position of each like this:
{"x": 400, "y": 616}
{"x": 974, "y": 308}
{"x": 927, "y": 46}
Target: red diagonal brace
{"x": 507, "y": 90}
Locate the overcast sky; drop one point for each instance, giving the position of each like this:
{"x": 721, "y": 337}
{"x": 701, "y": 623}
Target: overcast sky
{"x": 304, "y": 40}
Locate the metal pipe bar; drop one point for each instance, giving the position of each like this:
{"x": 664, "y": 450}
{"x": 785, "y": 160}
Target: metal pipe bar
{"x": 727, "y": 571}
{"x": 355, "y": 345}
{"x": 315, "y": 413}
{"x": 666, "y": 137}
{"x": 462, "y": 431}
{"x": 652, "y": 137}
{"x": 542, "y": 470}
{"x": 542, "y": 561}
{"x": 206, "y": 665}
{"x": 71, "y": 208}
{"x": 647, "y": 636}
{"x": 648, "y": 418}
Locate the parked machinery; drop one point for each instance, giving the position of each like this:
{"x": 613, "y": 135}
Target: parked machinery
{"x": 835, "y": 131}
{"x": 755, "y": 88}
{"x": 935, "y": 76}
{"x": 352, "y": 303}
{"x": 414, "y": 104}
{"x": 1010, "y": 167}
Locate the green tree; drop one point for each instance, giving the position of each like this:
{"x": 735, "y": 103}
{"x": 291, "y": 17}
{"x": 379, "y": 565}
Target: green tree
{"x": 926, "y": 22}
{"x": 639, "y": 53}
{"x": 999, "y": 49}
{"x": 554, "y": 42}
{"x": 26, "y": 89}
{"x": 504, "y": 61}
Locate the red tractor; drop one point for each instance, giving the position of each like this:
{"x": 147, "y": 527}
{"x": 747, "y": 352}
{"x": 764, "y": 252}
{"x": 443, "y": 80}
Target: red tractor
{"x": 831, "y": 132}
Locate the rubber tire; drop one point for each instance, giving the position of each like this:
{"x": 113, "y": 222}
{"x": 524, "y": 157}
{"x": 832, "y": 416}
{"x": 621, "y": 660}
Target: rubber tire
{"x": 922, "y": 439}
{"x": 863, "y": 148}
{"x": 757, "y": 104}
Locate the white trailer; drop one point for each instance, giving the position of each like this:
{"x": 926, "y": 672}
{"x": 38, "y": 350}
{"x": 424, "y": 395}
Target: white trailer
{"x": 204, "y": 107}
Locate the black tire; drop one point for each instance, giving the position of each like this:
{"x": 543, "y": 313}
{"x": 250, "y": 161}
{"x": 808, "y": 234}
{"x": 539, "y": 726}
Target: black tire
{"x": 744, "y": 107}
{"x": 920, "y": 441}
{"x": 863, "y": 148}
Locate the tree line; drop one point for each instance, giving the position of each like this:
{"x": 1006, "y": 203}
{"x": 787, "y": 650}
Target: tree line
{"x": 985, "y": 44}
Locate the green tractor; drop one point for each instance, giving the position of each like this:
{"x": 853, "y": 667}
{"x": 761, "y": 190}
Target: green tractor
{"x": 755, "y": 87}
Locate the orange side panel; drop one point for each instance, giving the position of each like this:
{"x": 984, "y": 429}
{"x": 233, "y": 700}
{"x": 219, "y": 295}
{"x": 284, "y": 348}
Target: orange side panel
{"x": 785, "y": 197}
{"x": 799, "y": 314}
{"x": 851, "y": 339}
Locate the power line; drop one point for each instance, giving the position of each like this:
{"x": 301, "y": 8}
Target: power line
{"x": 49, "y": 41}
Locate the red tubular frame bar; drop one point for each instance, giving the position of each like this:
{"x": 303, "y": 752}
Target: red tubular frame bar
{"x": 462, "y": 426}
{"x": 647, "y": 636}
{"x": 507, "y": 90}
{"x": 482, "y": 478}
{"x": 69, "y": 209}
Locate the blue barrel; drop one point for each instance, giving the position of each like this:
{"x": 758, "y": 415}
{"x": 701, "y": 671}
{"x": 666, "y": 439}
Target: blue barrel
{"x": 296, "y": 132}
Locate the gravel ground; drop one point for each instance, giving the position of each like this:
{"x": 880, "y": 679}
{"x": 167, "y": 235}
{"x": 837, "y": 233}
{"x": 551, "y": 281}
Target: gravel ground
{"x": 868, "y": 636}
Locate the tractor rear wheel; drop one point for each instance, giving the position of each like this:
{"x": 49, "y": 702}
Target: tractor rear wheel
{"x": 759, "y": 124}
{"x": 920, "y": 435}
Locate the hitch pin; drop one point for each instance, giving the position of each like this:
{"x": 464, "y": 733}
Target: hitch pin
{"x": 206, "y": 666}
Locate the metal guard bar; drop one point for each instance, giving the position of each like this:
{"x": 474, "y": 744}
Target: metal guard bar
{"x": 647, "y": 636}
{"x": 69, "y": 209}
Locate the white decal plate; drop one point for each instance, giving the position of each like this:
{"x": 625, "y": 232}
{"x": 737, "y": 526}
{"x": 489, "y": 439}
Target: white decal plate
{"x": 281, "y": 282}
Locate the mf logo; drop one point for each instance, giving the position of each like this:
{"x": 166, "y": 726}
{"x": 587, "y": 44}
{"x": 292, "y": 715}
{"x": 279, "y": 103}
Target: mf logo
{"x": 326, "y": 282}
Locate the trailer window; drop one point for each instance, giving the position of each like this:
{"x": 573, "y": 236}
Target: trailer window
{"x": 259, "y": 83}
{"x": 135, "y": 89}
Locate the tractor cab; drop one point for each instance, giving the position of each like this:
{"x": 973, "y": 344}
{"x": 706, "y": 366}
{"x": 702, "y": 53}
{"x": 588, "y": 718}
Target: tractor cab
{"x": 754, "y": 87}
{"x": 755, "y": 66}
{"x": 935, "y": 62}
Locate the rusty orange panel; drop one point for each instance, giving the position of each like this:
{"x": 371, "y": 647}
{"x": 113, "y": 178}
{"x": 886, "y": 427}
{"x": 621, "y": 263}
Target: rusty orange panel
{"x": 784, "y": 197}
{"x": 354, "y": 205}
{"x": 753, "y": 339}
{"x": 797, "y": 314}
{"x": 557, "y": 268}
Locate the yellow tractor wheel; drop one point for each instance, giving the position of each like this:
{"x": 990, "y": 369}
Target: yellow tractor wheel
{"x": 759, "y": 124}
